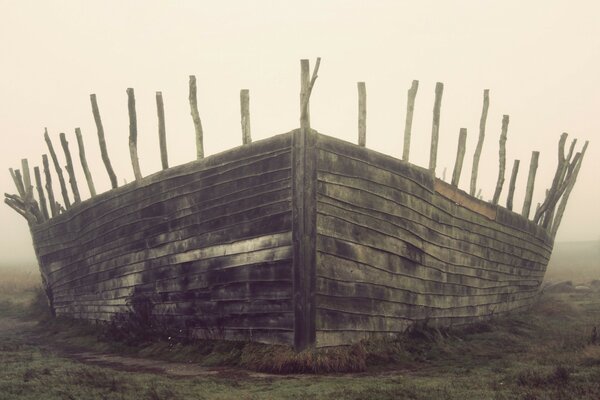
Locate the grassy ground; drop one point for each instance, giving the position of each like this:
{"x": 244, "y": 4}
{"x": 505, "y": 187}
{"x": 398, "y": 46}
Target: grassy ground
{"x": 545, "y": 353}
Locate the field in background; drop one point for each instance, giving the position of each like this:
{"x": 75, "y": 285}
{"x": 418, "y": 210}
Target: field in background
{"x": 574, "y": 261}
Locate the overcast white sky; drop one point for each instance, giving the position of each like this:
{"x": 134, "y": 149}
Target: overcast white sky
{"x": 540, "y": 60}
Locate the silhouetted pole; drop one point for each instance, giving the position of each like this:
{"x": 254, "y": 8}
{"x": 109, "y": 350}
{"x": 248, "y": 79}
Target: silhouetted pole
{"x": 102, "y": 142}
{"x": 435, "y": 128}
{"x": 511, "y": 186}
{"x": 533, "y": 164}
{"x": 133, "y": 154}
{"x": 502, "y": 167}
{"x": 196, "y": 118}
{"x": 61, "y": 179}
{"x": 84, "y": 164}
{"x": 40, "y": 191}
{"x": 362, "y": 114}
{"x": 49, "y": 190}
{"x": 69, "y": 168}
{"x": 162, "y": 131}
{"x": 245, "y": 112}
{"x": 477, "y": 154}
{"x": 460, "y": 155}
{"x": 410, "y": 108}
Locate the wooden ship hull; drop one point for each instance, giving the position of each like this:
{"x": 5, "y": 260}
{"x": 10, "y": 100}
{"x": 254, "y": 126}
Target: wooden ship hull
{"x": 300, "y": 239}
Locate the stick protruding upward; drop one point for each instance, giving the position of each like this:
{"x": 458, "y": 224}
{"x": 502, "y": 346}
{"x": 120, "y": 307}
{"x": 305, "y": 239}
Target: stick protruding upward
{"x": 479, "y": 147}
{"x": 135, "y": 162}
{"x": 460, "y": 155}
{"x": 84, "y": 164}
{"x": 245, "y": 112}
{"x": 362, "y": 114}
{"x": 61, "y": 179}
{"x": 533, "y": 164}
{"x": 435, "y": 127}
{"x": 511, "y": 185}
{"x": 70, "y": 169}
{"x": 196, "y": 118}
{"x": 306, "y": 87}
{"x": 410, "y": 108}
{"x": 502, "y": 166}
{"x": 53, "y": 209}
{"x": 162, "y": 133}
{"x": 102, "y": 142}
{"x": 40, "y": 192}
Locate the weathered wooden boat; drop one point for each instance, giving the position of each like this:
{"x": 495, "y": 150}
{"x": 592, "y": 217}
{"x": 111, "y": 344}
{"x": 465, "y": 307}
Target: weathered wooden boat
{"x": 299, "y": 239}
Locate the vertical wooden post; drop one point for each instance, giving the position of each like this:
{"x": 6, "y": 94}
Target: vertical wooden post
{"x": 477, "y": 154}
{"x": 511, "y": 186}
{"x": 51, "y": 201}
{"x": 196, "y": 118}
{"x": 502, "y": 168}
{"x": 304, "y": 98}
{"x": 533, "y": 164}
{"x": 245, "y": 112}
{"x": 435, "y": 128}
{"x": 135, "y": 162}
{"x": 40, "y": 191}
{"x": 460, "y": 155}
{"x": 84, "y": 164}
{"x": 362, "y": 114}
{"x": 162, "y": 133}
{"x": 410, "y": 108}
{"x": 27, "y": 181}
{"x": 61, "y": 179}
{"x": 16, "y": 176}
{"x": 102, "y": 142}
{"x": 69, "y": 168}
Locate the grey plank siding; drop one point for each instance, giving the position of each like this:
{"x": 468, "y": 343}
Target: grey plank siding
{"x": 395, "y": 246}
{"x": 208, "y": 242}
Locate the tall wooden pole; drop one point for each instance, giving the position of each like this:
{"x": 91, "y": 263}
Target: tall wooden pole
{"x": 84, "y": 164}
{"x": 135, "y": 162}
{"x": 16, "y": 176}
{"x": 245, "y": 112}
{"x": 69, "y": 168}
{"x": 196, "y": 118}
{"x": 40, "y": 191}
{"x": 102, "y": 142}
{"x": 410, "y": 108}
{"x": 502, "y": 167}
{"x": 477, "y": 154}
{"x": 306, "y": 85}
{"x": 460, "y": 155}
{"x": 162, "y": 132}
{"x": 362, "y": 114}
{"x": 533, "y": 164}
{"x": 27, "y": 181}
{"x": 61, "y": 179}
{"x": 435, "y": 128}
{"x": 511, "y": 186}
{"x": 51, "y": 201}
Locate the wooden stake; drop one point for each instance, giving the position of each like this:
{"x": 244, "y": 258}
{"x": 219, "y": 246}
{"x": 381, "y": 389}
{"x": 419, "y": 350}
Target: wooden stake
{"x": 162, "y": 133}
{"x": 477, "y": 154}
{"x": 69, "y": 168}
{"x": 40, "y": 191}
{"x": 511, "y": 186}
{"x": 16, "y": 176}
{"x": 61, "y": 179}
{"x": 84, "y": 164}
{"x": 533, "y": 164}
{"x": 245, "y": 111}
{"x": 27, "y": 181}
{"x": 435, "y": 128}
{"x": 135, "y": 162}
{"x": 196, "y": 118}
{"x": 306, "y": 87}
{"x": 12, "y": 204}
{"x": 102, "y": 142}
{"x": 460, "y": 155}
{"x": 51, "y": 201}
{"x": 362, "y": 114}
{"x": 410, "y": 108}
{"x": 502, "y": 168}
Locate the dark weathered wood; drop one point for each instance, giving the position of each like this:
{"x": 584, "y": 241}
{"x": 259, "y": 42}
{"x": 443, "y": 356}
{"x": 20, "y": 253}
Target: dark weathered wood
{"x": 69, "y": 168}
{"x": 196, "y": 118}
{"x": 84, "y": 164}
{"x": 410, "y": 108}
{"x": 479, "y": 147}
{"x": 502, "y": 160}
{"x": 102, "y": 142}
{"x": 135, "y": 162}
{"x": 533, "y": 164}
{"x": 362, "y": 114}
{"x": 435, "y": 127}
{"x": 40, "y": 191}
{"x": 245, "y": 112}
{"x": 511, "y": 186}
{"x": 49, "y": 189}
{"x": 58, "y": 169}
{"x": 162, "y": 132}
{"x": 460, "y": 155}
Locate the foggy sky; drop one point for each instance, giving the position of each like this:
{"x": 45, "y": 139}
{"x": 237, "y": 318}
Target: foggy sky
{"x": 540, "y": 60}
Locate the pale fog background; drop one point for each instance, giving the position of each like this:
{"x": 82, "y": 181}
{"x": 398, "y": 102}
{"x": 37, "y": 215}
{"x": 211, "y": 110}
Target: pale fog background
{"x": 540, "y": 60}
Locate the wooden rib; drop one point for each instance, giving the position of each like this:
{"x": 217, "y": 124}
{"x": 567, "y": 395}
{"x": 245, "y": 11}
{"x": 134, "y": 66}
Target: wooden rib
{"x": 362, "y": 114}
{"x": 84, "y": 164}
{"x": 196, "y": 118}
{"x": 40, "y": 191}
{"x": 477, "y": 154}
{"x": 69, "y": 168}
{"x": 245, "y": 112}
{"x": 511, "y": 186}
{"x": 502, "y": 160}
{"x": 18, "y": 180}
{"x": 435, "y": 128}
{"x": 58, "y": 169}
{"x": 460, "y": 155}
{"x": 533, "y": 164}
{"x": 27, "y": 181}
{"x": 135, "y": 162}
{"x": 410, "y": 107}
{"x": 102, "y": 142}
{"x": 306, "y": 87}
{"x": 51, "y": 201}
{"x": 12, "y": 204}
{"x": 162, "y": 133}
